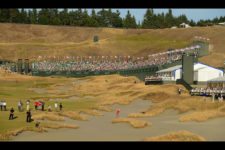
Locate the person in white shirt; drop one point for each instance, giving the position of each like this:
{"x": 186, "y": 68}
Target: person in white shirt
{"x": 56, "y": 106}
{"x": 19, "y": 106}
{"x": 4, "y": 105}
{"x": 28, "y": 105}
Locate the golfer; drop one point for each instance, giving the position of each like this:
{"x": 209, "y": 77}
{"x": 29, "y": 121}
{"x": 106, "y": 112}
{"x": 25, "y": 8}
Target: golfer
{"x": 117, "y": 112}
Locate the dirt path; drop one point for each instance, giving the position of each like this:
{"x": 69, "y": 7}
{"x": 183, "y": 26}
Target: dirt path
{"x": 100, "y": 128}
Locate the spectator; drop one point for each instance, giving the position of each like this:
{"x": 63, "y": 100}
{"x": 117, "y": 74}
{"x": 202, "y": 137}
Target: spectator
{"x": 37, "y": 104}
{"x": 11, "y": 115}
{"x": 28, "y": 105}
{"x": 43, "y": 106}
{"x": 56, "y": 106}
{"x": 106, "y": 64}
{"x": 1, "y": 105}
{"x": 60, "y": 106}
{"x": 4, "y": 105}
{"x": 21, "y": 103}
{"x": 19, "y": 106}
{"x": 28, "y": 116}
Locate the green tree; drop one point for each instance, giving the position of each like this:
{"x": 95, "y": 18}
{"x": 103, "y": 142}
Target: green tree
{"x": 44, "y": 16}
{"x": 116, "y": 20}
{"x": 148, "y": 21}
{"x": 53, "y": 17}
{"x": 129, "y": 21}
{"x": 86, "y": 19}
{"x": 93, "y": 19}
{"x": 169, "y": 19}
{"x": 23, "y": 16}
{"x": 192, "y": 23}
{"x": 79, "y": 16}
{"x": 14, "y": 15}
{"x": 4, "y": 15}
{"x": 33, "y": 17}
{"x": 102, "y": 18}
{"x": 64, "y": 17}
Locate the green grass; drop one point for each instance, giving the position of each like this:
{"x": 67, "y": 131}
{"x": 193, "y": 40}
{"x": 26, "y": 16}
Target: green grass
{"x": 13, "y": 91}
{"x": 18, "y": 122}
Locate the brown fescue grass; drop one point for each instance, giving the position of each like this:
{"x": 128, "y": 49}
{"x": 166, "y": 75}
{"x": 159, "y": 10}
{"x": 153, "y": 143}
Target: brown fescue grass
{"x": 202, "y": 116}
{"x": 133, "y": 122}
{"x": 74, "y": 115}
{"x": 203, "y": 108}
{"x": 151, "y": 113}
{"x": 103, "y": 108}
{"x": 8, "y": 134}
{"x": 12, "y": 76}
{"x": 91, "y": 112}
{"x": 57, "y": 126}
{"x": 48, "y": 116}
{"x": 43, "y": 128}
{"x": 177, "y": 136}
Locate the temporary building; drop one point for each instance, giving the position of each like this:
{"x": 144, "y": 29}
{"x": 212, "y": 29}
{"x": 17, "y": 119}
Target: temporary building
{"x": 202, "y": 73}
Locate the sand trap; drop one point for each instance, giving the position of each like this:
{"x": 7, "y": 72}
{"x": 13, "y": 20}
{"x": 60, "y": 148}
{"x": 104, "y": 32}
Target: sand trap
{"x": 100, "y": 128}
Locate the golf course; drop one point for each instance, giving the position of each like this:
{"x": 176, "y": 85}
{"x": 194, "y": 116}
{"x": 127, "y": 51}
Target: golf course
{"x": 148, "y": 112}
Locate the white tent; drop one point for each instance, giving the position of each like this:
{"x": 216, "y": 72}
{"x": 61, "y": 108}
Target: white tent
{"x": 184, "y": 25}
{"x": 202, "y": 73}
{"x": 219, "y": 79}
{"x": 222, "y": 23}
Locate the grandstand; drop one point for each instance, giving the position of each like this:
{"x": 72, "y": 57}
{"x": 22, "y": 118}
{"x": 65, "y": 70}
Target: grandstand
{"x": 77, "y": 66}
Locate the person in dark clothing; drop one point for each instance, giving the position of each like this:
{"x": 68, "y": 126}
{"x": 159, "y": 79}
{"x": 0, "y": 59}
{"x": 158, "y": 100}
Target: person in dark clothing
{"x": 4, "y": 105}
{"x": 35, "y": 107}
{"x": 28, "y": 116}
{"x": 60, "y": 106}
{"x": 11, "y": 115}
{"x": 43, "y": 106}
{"x": 21, "y": 103}
{"x": 1, "y": 105}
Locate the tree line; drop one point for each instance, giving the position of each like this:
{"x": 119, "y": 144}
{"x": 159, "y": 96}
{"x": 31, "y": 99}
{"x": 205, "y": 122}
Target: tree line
{"x": 102, "y": 18}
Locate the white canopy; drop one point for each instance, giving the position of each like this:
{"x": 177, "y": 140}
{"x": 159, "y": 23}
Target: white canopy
{"x": 219, "y": 79}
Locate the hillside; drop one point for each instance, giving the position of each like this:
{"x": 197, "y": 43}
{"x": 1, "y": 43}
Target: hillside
{"x": 26, "y": 41}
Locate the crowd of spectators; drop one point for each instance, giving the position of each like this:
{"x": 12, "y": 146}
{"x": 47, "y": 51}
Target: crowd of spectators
{"x": 109, "y": 63}
{"x": 207, "y": 91}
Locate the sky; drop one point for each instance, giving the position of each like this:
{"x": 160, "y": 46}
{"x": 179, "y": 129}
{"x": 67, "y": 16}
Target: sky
{"x": 195, "y": 14}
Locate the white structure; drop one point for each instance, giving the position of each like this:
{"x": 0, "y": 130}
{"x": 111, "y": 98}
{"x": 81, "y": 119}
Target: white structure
{"x": 174, "y": 27}
{"x": 184, "y": 25}
{"x": 202, "y": 73}
{"x": 221, "y": 23}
